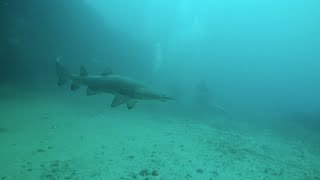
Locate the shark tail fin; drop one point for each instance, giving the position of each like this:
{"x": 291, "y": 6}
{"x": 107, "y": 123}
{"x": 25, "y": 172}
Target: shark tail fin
{"x": 62, "y": 73}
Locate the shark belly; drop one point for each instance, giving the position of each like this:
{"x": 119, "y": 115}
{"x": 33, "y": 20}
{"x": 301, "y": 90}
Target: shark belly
{"x": 112, "y": 85}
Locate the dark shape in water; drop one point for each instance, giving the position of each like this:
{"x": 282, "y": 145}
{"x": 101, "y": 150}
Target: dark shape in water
{"x": 308, "y": 120}
{"x": 203, "y": 98}
{"x": 3, "y": 130}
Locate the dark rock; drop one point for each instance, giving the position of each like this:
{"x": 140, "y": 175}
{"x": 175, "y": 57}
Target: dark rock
{"x": 215, "y": 173}
{"x": 55, "y": 163}
{"x": 200, "y": 171}
{"x": 144, "y": 172}
{"x": 131, "y": 157}
{"x": 134, "y": 175}
{"x": 41, "y": 150}
{"x": 154, "y": 173}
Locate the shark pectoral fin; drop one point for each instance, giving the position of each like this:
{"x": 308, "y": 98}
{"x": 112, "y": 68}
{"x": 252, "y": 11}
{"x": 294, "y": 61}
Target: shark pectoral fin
{"x": 74, "y": 86}
{"x": 118, "y": 100}
{"x": 107, "y": 71}
{"x": 131, "y": 103}
{"x": 91, "y": 92}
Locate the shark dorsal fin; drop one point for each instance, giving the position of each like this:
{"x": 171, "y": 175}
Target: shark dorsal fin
{"x": 83, "y": 71}
{"x": 107, "y": 71}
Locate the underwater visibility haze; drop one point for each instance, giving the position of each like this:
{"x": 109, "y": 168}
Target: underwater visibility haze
{"x": 161, "y": 89}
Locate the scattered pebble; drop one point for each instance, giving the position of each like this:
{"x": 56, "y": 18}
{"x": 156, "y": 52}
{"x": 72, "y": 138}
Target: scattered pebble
{"x": 57, "y": 170}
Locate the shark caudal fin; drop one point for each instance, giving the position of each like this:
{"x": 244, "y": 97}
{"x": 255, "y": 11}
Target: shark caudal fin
{"x": 62, "y": 73}
{"x": 75, "y": 84}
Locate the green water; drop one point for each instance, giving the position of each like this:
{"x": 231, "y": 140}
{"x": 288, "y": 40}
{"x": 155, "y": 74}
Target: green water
{"x": 244, "y": 76}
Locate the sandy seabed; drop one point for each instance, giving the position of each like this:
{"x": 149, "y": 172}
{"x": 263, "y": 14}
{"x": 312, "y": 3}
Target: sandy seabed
{"x": 54, "y": 137}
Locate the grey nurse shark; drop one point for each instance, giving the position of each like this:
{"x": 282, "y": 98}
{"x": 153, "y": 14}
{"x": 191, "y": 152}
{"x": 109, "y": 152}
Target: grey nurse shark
{"x": 126, "y": 90}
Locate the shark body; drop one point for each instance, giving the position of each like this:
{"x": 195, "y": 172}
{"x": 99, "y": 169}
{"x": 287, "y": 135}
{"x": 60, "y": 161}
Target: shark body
{"x": 126, "y": 90}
